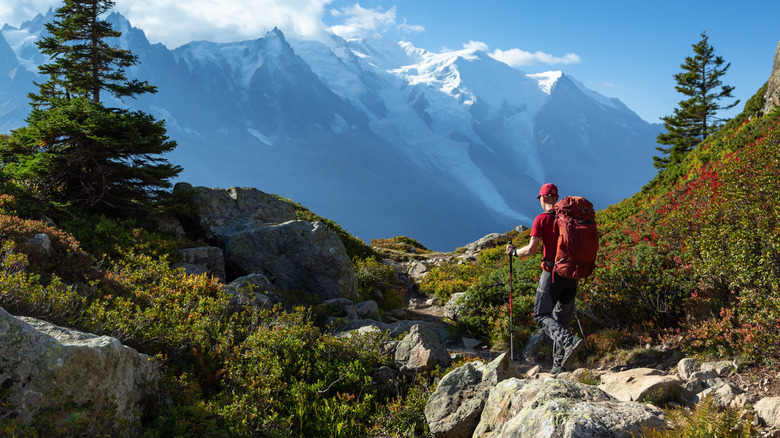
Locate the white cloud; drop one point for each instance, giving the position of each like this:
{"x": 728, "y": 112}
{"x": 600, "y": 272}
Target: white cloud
{"x": 520, "y": 58}
{"x": 361, "y": 22}
{"x": 174, "y": 22}
{"x": 177, "y": 22}
{"x": 406, "y": 28}
{"x": 15, "y": 12}
{"x": 476, "y": 45}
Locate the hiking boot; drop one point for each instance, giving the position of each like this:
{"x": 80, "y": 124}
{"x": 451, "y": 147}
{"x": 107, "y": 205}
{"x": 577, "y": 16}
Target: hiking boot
{"x": 568, "y": 354}
{"x": 556, "y": 370}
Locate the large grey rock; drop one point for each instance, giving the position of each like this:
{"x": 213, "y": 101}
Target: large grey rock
{"x": 343, "y": 307}
{"x": 252, "y": 290}
{"x": 548, "y": 408}
{"x": 207, "y": 260}
{"x": 368, "y": 309}
{"x": 768, "y": 409}
{"x": 720, "y": 368}
{"x": 43, "y": 365}
{"x": 418, "y": 269}
{"x": 295, "y": 255}
{"x": 421, "y": 350}
{"x": 455, "y": 407}
{"x": 472, "y": 250}
{"x": 222, "y": 210}
{"x": 724, "y": 395}
{"x": 41, "y": 241}
{"x": 686, "y": 367}
{"x": 638, "y": 384}
{"x": 772, "y": 96}
{"x": 395, "y": 329}
{"x": 455, "y": 306}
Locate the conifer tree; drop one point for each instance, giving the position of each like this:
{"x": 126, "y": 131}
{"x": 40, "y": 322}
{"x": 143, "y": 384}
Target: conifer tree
{"x": 696, "y": 117}
{"x": 74, "y": 149}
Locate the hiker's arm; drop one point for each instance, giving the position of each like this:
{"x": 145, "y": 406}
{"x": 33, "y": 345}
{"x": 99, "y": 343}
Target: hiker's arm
{"x": 527, "y": 250}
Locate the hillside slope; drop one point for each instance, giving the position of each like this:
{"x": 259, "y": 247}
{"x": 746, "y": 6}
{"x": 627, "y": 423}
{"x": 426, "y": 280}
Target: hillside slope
{"x": 699, "y": 246}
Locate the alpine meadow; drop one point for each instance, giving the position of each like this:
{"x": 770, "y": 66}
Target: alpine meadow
{"x": 134, "y": 304}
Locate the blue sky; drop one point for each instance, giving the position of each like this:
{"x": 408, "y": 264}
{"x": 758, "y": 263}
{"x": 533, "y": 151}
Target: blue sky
{"x": 628, "y": 49}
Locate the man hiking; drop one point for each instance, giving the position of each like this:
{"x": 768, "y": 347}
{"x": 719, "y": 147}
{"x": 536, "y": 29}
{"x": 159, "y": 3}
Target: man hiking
{"x": 554, "y": 302}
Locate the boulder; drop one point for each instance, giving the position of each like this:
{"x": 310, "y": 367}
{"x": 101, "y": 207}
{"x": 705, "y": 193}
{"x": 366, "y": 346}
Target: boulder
{"x": 423, "y": 303}
{"x": 725, "y": 394}
{"x": 396, "y": 314}
{"x": 720, "y": 368}
{"x": 772, "y": 96}
{"x": 207, "y": 260}
{"x": 455, "y": 407}
{"x": 250, "y": 290}
{"x": 421, "y": 350}
{"x": 295, "y": 255}
{"x": 557, "y": 408}
{"x": 222, "y": 210}
{"x": 393, "y": 330}
{"x": 639, "y": 384}
{"x": 39, "y": 360}
{"x": 417, "y": 270}
{"x": 455, "y": 306}
{"x": 343, "y": 306}
{"x": 42, "y": 241}
{"x": 368, "y": 309}
{"x": 686, "y": 367}
{"x": 768, "y": 409}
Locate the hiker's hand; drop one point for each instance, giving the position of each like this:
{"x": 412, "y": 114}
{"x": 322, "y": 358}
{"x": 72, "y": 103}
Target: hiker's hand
{"x": 510, "y": 249}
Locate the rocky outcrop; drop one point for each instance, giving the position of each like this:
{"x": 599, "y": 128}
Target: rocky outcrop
{"x": 295, "y": 255}
{"x": 259, "y": 234}
{"x": 455, "y": 407}
{"x": 772, "y": 96}
{"x": 252, "y": 290}
{"x": 46, "y": 366}
{"x": 491, "y": 400}
{"x": 557, "y": 408}
{"x": 472, "y": 402}
{"x": 224, "y": 210}
{"x": 455, "y": 306}
{"x": 472, "y": 250}
{"x": 207, "y": 260}
{"x": 640, "y": 384}
{"x": 421, "y": 350}
{"x": 768, "y": 410}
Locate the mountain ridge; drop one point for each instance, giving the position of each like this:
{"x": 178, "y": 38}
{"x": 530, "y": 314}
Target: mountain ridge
{"x": 387, "y": 138}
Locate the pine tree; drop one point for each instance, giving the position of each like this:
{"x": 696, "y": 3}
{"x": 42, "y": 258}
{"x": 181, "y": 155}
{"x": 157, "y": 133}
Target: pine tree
{"x": 74, "y": 149}
{"x": 695, "y": 119}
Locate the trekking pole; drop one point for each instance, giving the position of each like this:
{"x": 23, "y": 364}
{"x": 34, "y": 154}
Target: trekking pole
{"x": 581, "y": 331}
{"x": 511, "y": 321}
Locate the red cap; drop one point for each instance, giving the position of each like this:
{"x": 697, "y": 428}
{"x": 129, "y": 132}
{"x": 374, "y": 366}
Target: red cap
{"x": 547, "y": 190}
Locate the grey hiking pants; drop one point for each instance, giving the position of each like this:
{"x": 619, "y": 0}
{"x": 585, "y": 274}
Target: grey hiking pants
{"x": 553, "y": 309}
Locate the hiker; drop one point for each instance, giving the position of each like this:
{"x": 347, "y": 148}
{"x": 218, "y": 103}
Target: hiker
{"x": 554, "y": 302}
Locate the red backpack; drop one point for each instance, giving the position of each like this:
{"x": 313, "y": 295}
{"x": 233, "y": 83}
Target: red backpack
{"x": 578, "y": 238}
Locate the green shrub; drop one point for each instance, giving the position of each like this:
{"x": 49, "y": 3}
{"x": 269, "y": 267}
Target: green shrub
{"x": 402, "y": 244}
{"x": 697, "y": 251}
{"x": 378, "y": 280}
{"x": 66, "y": 259}
{"x": 705, "y": 420}
{"x": 288, "y": 377}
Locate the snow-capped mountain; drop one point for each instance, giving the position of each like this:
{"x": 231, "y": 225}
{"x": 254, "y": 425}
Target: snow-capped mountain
{"x": 385, "y": 138}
